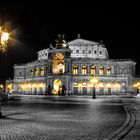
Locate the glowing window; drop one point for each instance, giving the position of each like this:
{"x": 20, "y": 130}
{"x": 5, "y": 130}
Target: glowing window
{"x": 42, "y": 71}
{"x": 93, "y": 70}
{"x": 84, "y": 69}
{"x": 32, "y": 72}
{"x": 36, "y": 72}
{"x": 75, "y": 69}
{"x": 101, "y": 70}
{"x": 108, "y": 70}
{"x": 60, "y": 68}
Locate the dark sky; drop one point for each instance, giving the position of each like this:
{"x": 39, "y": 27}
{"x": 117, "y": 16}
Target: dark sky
{"x": 36, "y": 25}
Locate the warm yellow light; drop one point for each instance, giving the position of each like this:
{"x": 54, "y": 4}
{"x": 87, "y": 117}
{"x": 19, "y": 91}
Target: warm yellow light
{"x": 136, "y": 85}
{"x": 84, "y": 69}
{"x": 84, "y": 84}
{"x": 1, "y": 86}
{"x": 59, "y": 56}
{"x": 108, "y": 85}
{"x": 93, "y": 70}
{"x": 57, "y": 86}
{"x": 101, "y": 70}
{"x": 42, "y": 71}
{"x": 94, "y": 80}
{"x": 9, "y": 86}
{"x": 117, "y": 85}
{"x": 75, "y": 84}
{"x": 34, "y": 85}
{"x": 4, "y": 36}
{"x": 80, "y": 85}
{"x": 41, "y": 85}
{"x": 75, "y": 69}
{"x": 29, "y": 86}
{"x": 89, "y": 85}
{"x": 101, "y": 85}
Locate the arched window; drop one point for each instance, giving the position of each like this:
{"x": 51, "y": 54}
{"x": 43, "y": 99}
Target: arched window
{"x": 36, "y": 71}
{"x": 92, "y": 70}
{"x": 60, "y": 67}
{"x": 101, "y": 70}
{"x": 75, "y": 69}
{"x": 32, "y": 72}
{"x": 42, "y": 71}
{"x": 108, "y": 70}
{"x": 84, "y": 69}
{"x": 58, "y": 64}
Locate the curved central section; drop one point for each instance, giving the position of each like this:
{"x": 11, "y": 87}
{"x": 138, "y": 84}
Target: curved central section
{"x": 58, "y": 64}
{"x": 57, "y": 87}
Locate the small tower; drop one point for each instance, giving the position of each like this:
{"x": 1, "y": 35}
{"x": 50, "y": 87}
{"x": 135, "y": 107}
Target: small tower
{"x": 78, "y": 36}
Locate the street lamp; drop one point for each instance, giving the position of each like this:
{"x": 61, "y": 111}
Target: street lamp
{"x": 94, "y": 81}
{"x": 4, "y": 37}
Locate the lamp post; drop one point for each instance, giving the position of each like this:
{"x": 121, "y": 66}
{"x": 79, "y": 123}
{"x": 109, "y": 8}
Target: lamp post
{"x": 4, "y": 37}
{"x": 94, "y": 81}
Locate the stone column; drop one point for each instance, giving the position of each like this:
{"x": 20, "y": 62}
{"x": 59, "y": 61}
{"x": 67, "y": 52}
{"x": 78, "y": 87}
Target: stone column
{"x": 105, "y": 69}
{"x": 88, "y": 69}
{"x": 80, "y": 69}
{"x": 66, "y": 66}
{"x": 38, "y": 71}
{"x": 97, "y": 69}
{"x": 70, "y": 67}
{"x": 15, "y": 87}
{"x": 50, "y": 67}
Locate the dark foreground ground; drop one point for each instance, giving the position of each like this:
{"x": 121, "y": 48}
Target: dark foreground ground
{"x": 63, "y": 117}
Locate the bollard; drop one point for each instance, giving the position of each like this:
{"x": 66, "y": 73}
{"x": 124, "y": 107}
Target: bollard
{"x": 94, "y": 94}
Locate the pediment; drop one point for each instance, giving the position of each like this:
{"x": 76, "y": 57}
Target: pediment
{"x": 82, "y": 42}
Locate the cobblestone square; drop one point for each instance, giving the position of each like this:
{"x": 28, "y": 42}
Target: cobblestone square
{"x": 57, "y": 117}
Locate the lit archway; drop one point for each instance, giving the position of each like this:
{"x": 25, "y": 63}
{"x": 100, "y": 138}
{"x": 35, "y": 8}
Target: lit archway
{"x": 57, "y": 87}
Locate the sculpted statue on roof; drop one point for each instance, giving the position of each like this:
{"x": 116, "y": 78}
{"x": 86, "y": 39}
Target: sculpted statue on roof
{"x": 60, "y": 41}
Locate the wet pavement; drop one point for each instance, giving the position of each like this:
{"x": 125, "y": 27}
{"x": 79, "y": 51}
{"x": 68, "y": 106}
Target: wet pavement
{"x": 61, "y": 117}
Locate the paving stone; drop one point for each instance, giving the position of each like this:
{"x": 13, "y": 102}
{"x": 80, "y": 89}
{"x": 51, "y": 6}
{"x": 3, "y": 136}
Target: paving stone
{"x": 63, "y": 119}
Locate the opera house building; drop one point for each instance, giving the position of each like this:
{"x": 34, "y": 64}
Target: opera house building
{"x": 74, "y": 67}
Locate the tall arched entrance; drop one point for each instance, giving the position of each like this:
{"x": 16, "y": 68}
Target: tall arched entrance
{"x": 57, "y": 87}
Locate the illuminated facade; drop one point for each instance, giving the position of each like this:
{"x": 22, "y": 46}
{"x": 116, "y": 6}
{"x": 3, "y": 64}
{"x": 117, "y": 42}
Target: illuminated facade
{"x": 69, "y": 67}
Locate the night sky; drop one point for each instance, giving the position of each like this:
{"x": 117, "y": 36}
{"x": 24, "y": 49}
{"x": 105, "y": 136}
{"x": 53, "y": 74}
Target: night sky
{"x": 34, "y": 26}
